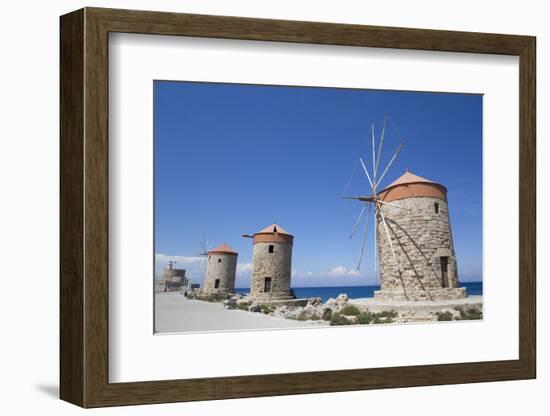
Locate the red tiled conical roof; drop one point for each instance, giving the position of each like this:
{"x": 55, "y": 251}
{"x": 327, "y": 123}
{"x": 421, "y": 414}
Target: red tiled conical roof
{"x": 407, "y": 178}
{"x": 410, "y": 185}
{"x": 272, "y": 229}
{"x": 223, "y": 248}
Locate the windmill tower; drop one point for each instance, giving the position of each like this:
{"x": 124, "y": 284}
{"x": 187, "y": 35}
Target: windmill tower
{"x": 413, "y": 235}
{"x": 271, "y": 264}
{"x": 221, "y": 268}
{"x": 420, "y": 239}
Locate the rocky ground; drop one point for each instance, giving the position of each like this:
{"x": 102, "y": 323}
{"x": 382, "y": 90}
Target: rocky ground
{"x": 345, "y": 311}
{"x": 177, "y": 313}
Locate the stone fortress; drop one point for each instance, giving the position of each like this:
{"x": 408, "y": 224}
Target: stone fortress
{"x": 418, "y": 225}
{"x": 172, "y": 280}
{"x": 271, "y": 264}
{"x": 221, "y": 268}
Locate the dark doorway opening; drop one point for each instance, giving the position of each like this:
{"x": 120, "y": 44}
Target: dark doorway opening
{"x": 217, "y": 284}
{"x": 270, "y": 249}
{"x": 444, "y": 271}
{"x": 267, "y": 284}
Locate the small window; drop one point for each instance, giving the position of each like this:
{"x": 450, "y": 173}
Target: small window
{"x": 271, "y": 249}
{"x": 436, "y": 207}
{"x": 217, "y": 284}
{"x": 267, "y": 284}
{"x": 219, "y": 260}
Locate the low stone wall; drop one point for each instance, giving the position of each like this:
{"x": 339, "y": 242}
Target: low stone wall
{"x": 271, "y": 297}
{"x": 418, "y": 311}
{"x": 209, "y": 296}
{"x": 424, "y": 295}
{"x": 167, "y": 287}
{"x": 286, "y": 302}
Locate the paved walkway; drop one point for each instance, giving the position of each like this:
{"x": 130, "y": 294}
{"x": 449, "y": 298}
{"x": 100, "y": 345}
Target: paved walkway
{"x": 176, "y": 313}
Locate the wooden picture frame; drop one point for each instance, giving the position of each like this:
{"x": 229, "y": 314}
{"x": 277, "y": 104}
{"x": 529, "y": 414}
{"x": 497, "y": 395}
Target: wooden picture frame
{"x": 84, "y": 207}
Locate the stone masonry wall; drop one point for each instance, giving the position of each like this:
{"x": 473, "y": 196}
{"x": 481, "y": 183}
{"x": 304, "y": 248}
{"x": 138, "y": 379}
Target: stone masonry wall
{"x": 173, "y": 279}
{"x": 420, "y": 237}
{"x": 276, "y": 265}
{"x": 223, "y": 267}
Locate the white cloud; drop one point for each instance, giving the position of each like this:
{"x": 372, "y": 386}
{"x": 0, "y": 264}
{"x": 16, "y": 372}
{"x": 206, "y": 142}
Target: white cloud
{"x": 334, "y": 276}
{"x": 163, "y": 258}
{"x": 244, "y": 272}
{"x": 194, "y": 265}
{"x": 339, "y": 271}
{"x": 244, "y": 268}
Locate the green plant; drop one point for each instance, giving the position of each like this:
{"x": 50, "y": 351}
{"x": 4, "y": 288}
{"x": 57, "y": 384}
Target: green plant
{"x": 243, "y": 305}
{"x": 387, "y": 314}
{"x": 266, "y": 309}
{"x": 301, "y": 317}
{"x": 364, "y": 318}
{"x": 444, "y": 316}
{"x": 382, "y": 320}
{"x": 350, "y": 310}
{"x": 339, "y": 319}
{"x": 327, "y": 315}
{"x": 470, "y": 314}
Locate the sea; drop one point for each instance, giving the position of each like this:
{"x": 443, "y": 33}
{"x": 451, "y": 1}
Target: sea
{"x": 355, "y": 292}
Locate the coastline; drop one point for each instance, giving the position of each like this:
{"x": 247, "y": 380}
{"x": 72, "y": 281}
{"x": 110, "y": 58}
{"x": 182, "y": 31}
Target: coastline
{"x": 356, "y": 292}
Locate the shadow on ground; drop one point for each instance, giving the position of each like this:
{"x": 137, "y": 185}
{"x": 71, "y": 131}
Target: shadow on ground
{"x": 51, "y": 390}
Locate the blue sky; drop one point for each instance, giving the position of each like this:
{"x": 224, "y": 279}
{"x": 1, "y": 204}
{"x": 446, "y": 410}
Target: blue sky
{"x": 232, "y": 159}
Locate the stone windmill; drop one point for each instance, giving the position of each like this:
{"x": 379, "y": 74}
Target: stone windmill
{"x": 271, "y": 264}
{"x": 220, "y": 270}
{"x": 413, "y": 238}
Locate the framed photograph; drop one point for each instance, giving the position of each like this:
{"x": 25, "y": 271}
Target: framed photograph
{"x": 255, "y": 207}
